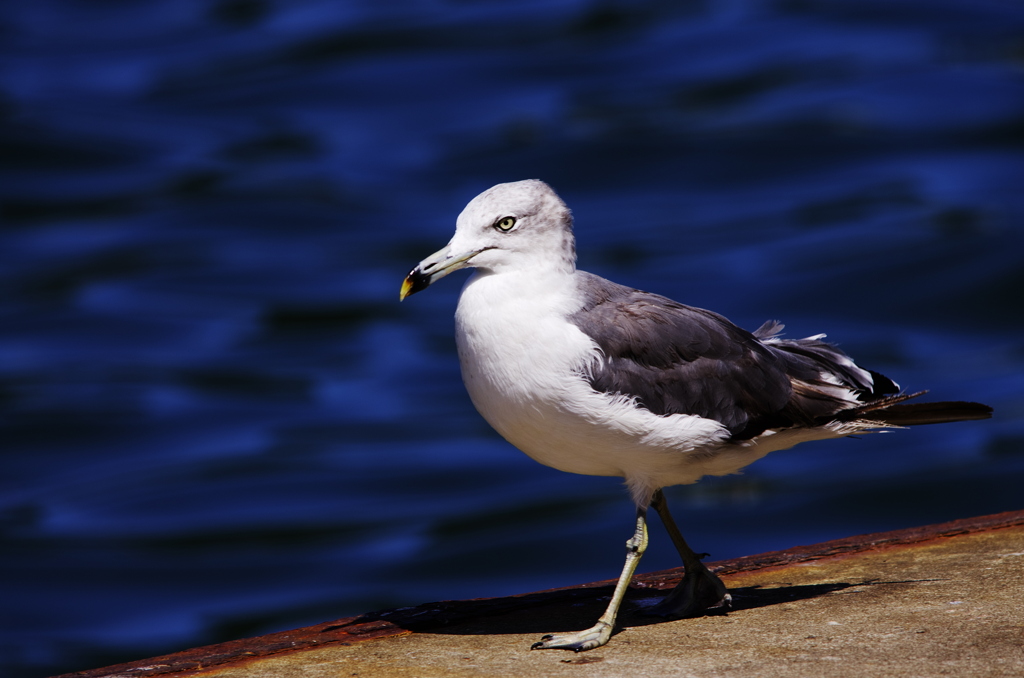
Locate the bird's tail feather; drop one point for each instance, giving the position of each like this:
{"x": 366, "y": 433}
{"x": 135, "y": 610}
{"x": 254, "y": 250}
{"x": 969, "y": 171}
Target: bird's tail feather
{"x": 893, "y": 411}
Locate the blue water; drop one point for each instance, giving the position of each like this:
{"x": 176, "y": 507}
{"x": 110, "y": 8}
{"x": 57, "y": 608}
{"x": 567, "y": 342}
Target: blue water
{"x": 216, "y": 420}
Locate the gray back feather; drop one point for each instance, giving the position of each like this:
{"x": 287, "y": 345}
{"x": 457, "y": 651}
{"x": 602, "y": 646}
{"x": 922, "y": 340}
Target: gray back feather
{"x": 677, "y": 359}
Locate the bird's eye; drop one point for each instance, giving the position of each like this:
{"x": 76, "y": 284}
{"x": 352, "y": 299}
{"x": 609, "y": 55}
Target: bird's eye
{"x": 505, "y": 223}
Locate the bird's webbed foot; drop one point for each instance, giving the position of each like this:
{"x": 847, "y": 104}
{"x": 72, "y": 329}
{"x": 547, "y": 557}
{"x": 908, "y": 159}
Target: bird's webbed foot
{"x": 601, "y": 632}
{"x": 700, "y": 590}
{"x": 581, "y": 641}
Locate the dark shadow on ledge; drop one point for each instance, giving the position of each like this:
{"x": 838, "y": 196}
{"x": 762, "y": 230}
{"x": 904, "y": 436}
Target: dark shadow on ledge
{"x": 571, "y": 609}
{"x": 752, "y": 597}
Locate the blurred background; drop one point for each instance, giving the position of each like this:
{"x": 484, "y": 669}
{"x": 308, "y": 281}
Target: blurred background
{"x": 217, "y": 421}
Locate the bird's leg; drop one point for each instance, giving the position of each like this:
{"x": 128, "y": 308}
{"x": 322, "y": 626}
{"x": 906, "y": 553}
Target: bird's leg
{"x": 700, "y": 589}
{"x": 601, "y": 632}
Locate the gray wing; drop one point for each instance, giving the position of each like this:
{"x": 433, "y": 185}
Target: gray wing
{"x": 677, "y": 359}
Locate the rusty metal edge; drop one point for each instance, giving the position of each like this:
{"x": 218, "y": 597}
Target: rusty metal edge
{"x": 402, "y": 621}
{"x": 846, "y": 546}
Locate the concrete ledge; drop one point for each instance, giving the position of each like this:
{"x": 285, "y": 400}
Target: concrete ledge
{"x": 938, "y": 600}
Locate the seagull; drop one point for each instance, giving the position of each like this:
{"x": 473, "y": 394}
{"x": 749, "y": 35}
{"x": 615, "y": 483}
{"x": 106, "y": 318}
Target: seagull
{"x": 592, "y": 377}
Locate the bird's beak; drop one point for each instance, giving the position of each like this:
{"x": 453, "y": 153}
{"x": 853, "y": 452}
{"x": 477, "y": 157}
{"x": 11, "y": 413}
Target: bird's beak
{"x": 436, "y": 266}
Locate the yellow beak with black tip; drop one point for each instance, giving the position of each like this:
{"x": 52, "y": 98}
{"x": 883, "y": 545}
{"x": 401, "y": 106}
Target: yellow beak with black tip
{"x": 436, "y": 266}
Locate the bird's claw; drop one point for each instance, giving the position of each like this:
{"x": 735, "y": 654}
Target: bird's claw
{"x": 595, "y": 636}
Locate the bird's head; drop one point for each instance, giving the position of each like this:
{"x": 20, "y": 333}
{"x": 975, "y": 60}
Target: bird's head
{"x": 517, "y": 225}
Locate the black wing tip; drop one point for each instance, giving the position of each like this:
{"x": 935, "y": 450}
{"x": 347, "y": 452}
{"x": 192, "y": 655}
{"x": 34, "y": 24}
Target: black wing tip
{"x": 968, "y": 409}
{"x": 917, "y": 414}
{"x": 883, "y": 385}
